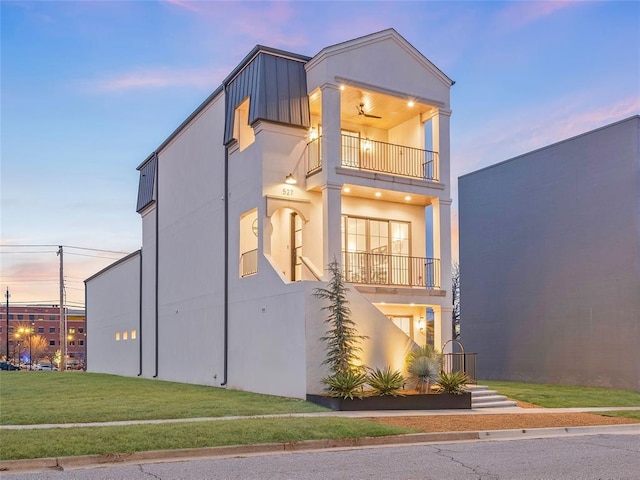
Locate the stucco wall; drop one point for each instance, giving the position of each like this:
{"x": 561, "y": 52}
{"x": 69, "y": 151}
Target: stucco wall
{"x": 550, "y": 262}
{"x": 191, "y": 251}
{"x": 113, "y": 308}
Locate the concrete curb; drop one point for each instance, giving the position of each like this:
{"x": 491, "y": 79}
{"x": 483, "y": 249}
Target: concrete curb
{"x": 70, "y": 463}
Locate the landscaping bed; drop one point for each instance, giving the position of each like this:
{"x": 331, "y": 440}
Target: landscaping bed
{"x": 505, "y": 421}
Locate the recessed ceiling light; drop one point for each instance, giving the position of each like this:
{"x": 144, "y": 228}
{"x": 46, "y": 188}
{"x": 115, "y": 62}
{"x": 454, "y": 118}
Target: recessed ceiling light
{"x": 412, "y": 304}
{"x": 410, "y": 103}
{"x": 407, "y": 198}
{"x": 341, "y": 87}
{"x": 346, "y": 189}
{"x": 378, "y": 194}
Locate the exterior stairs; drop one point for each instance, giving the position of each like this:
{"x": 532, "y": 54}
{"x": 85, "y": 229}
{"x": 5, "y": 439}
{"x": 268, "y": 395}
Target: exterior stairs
{"x": 482, "y": 397}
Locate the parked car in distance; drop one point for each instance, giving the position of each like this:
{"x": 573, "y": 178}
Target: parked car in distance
{"x": 46, "y": 366}
{"x": 8, "y": 366}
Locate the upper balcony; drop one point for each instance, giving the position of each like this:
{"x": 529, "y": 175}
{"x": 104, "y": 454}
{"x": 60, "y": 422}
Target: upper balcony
{"x": 359, "y": 128}
{"x": 375, "y": 156}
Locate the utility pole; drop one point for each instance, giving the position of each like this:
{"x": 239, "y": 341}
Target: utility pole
{"x": 63, "y": 333}
{"x": 7, "y": 297}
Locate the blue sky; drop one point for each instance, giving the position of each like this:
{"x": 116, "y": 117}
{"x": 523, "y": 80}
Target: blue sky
{"x": 89, "y": 89}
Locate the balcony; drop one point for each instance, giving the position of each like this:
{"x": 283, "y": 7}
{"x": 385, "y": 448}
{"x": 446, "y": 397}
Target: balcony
{"x": 249, "y": 263}
{"x": 374, "y": 156}
{"x": 398, "y": 270}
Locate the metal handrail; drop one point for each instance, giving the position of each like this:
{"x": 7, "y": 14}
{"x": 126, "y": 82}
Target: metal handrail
{"x": 249, "y": 263}
{"x": 383, "y": 269}
{"x": 375, "y": 156}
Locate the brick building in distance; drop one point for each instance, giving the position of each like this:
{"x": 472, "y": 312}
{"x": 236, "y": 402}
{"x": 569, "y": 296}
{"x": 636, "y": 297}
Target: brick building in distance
{"x": 45, "y": 322}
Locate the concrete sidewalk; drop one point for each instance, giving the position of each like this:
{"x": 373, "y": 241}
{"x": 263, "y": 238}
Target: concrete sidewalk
{"x": 358, "y": 414}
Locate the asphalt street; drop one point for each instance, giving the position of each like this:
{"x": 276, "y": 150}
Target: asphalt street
{"x": 596, "y": 457}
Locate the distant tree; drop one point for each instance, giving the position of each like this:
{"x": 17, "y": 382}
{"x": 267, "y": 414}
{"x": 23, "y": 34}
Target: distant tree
{"x": 342, "y": 339}
{"x": 455, "y": 294}
{"x": 38, "y": 350}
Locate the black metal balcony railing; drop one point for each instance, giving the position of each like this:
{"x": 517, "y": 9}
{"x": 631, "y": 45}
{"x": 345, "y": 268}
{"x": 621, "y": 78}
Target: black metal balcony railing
{"x": 249, "y": 263}
{"x": 374, "y": 156}
{"x": 383, "y": 269}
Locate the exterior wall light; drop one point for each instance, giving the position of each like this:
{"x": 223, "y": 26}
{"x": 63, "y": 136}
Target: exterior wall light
{"x": 313, "y": 134}
{"x": 290, "y": 179}
{"x": 366, "y": 144}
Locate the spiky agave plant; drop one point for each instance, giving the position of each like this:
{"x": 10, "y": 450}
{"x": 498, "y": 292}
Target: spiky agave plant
{"x": 347, "y": 384}
{"x": 423, "y": 366}
{"x": 453, "y": 382}
{"x": 386, "y": 382}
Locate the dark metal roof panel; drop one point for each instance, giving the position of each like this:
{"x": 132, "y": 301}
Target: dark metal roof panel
{"x": 277, "y": 88}
{"x": 146, "y": 183}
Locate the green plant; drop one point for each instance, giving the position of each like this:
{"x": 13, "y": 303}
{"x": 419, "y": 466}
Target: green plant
{"x": 423, "y": 366}
{"x": 453, "y": 382}
{"x": 341, "y": 338}
{"x": 386, "y": 382}
{"x": 347, "y": 384}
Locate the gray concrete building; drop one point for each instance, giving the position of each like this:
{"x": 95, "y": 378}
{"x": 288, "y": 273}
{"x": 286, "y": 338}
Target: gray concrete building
{"x": 550, "y": 262}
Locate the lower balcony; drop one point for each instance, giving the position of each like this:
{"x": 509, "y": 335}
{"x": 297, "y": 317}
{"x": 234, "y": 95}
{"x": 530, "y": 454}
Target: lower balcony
{"x": 381, "y": 157}
{"x": 398, "y": 270}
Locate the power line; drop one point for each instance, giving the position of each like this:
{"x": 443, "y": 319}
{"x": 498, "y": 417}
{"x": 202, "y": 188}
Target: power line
{"x": 65, "y": 246}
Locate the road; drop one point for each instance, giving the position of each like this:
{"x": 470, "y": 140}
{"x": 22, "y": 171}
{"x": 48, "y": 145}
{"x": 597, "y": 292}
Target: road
{"x": 597, "y": 457}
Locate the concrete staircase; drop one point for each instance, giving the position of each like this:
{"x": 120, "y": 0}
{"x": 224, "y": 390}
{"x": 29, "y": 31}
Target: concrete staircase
{"x": 482, "y": 397}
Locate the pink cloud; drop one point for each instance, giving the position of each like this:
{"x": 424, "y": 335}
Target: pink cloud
{"x": 266, "y": 23}
{"x": 519, "y": 14}
{"x": 162, "y": 78}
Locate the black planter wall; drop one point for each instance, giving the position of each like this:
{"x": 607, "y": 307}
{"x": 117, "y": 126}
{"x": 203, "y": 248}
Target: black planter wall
{"x": 436, "y": 401}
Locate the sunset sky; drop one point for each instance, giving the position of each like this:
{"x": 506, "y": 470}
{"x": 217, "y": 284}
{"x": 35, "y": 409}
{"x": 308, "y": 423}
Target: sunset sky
{"x": 89, "y": 89}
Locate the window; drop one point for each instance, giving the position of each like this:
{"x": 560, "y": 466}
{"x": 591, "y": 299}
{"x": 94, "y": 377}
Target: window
{"x": 0, "y": 329}
{"x": 403, "y": 323}
{"x": 81, "y": 342}
{"x": 134, "y": 334}
{"x": 72, "y": 343}
{"x": 20, "y": 316}
{"x": 52, "y": 342}
{"x": 51, "y": 317}
{"x": 32, "y": 318}
{"x": 249, "y": 243}
{"x": 242, "y": 131}
{"x": 117, "y": 336}
{"x": 72, "y": 330}
{"x": 11, "y": 316}
{"x": 52, "y": 329}
{"x": 72, "y": 355}
{"x": 125, "y": 335}
{"x": 81, "y": 330}
{"x": 10, "y": 329}
{"x": 40, "y": 329}
{"x": 376, "y": 251}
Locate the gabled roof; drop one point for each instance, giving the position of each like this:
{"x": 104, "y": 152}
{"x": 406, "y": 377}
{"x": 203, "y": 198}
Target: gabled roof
{"x": 389, "y": 33}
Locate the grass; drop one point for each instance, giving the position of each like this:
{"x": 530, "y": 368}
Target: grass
{"x": 560, "y": 396}
{"x": 28, "y": 398}
{"x": 21, "y": 444}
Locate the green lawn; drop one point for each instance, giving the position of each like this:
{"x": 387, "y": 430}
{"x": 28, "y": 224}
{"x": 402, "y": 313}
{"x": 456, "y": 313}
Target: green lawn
{"x": 60, "y": 442}
{"x": 28, "y": 398}
{"x": 622, "y": 413}
{"x": 559, "y": 396}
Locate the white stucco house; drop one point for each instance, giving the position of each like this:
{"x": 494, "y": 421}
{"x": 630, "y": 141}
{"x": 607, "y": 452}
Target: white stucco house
{"x": 292, "y": 162}
{"x": 550, "y": 262}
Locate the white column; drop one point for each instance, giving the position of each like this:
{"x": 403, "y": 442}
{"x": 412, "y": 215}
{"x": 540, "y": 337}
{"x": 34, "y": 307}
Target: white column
{"x": 442, "y": 332}
{"x": 331, "y": 138}
{"x": 331, "y": 227}
{"x": 441, "y": 144}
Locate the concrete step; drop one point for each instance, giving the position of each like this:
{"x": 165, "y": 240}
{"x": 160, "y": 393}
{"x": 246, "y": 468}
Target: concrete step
{"x": 482, "y": 397}
{"x": 495, "y": 404}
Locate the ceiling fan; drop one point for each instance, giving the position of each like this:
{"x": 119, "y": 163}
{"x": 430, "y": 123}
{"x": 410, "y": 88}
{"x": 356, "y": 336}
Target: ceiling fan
{"x": 361, "y": 111}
